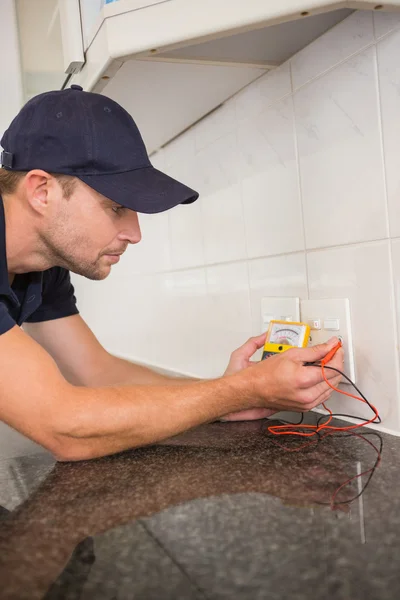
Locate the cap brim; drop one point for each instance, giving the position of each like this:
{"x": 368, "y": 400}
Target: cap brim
{"x": 144, "y": 190}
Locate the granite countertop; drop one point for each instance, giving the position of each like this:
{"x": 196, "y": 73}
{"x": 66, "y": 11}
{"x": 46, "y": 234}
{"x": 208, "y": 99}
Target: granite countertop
{"x": 222, "y": 511}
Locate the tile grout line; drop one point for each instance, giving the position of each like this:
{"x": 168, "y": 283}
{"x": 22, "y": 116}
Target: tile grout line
{"x": 169, "y": 238}
{"x": 203, "y": 245}
{"x": 390, "y": 250}
{"x": 240, "y": 184}
{"x": 346, "y": 245}
{"x": 299, "y": 186}
{"x": 387, "y": 34}
{"x": 269, "y": 256}
{"x": 381, "y": 141}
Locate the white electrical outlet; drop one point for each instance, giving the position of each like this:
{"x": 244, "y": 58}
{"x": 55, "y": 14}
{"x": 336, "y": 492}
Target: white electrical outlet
{"x": 328, "y": 318}
{"x": 279, "y": 309}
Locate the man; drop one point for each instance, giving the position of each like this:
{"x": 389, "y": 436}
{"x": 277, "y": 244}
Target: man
{"x": 74, "y": 175}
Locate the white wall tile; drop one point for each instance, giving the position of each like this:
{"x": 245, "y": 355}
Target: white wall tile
{"x": 362, "y": 274}
{"x": 152, "y": 253}
{"x": 184, "y": 334}
{"x": 277, "y": 276}
{"x": 179, "y": 160}
{"x": 384, "y": 22}
{"x": 133, "y": 317}
{"x": 184, "y": 285}
{"x": 266, "y": 90}
{"x": 102, "y": 303}
{"x": 223, "y": 226}
{"x": 389, "y": 78}
{"x": 180, "y": 150}
{"x": 217, "y": 166}
{"x": 186, "y": 236}
{"x": 266, "y": 138}
{"x": 270, "y": 186}
{"x": 158, "y": 160}
{"x": 219, "y": 123}
{"x": 336, "y": 45}
{"x": 161, "y": 321}
{"x": 341, "y": 166}
{"x": 229, "y": 323}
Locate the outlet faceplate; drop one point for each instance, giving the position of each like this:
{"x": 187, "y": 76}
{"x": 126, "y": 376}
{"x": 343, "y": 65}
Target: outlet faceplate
{"x": 328, "y": 318}
{"x": 279, "y": 309}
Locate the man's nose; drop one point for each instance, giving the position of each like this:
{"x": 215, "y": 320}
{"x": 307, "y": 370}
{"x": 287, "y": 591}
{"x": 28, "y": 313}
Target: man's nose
{"x": 131, "y": 229}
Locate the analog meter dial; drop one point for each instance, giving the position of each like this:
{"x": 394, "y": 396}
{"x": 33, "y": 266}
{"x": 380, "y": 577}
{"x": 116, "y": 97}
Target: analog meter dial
{"x": 283, "y": 335}
{"x": 287, "y": 334}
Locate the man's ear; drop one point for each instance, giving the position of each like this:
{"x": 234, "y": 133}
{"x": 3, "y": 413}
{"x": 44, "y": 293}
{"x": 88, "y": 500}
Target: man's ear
{"x": 37, "y": 184}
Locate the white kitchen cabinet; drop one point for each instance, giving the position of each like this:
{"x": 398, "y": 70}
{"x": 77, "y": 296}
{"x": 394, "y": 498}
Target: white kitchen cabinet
{"x": 171, "y": 62}
{"x": 92, "y": 16}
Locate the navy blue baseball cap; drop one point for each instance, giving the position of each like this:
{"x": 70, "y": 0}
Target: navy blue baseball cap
{"x": 91, "y": 137}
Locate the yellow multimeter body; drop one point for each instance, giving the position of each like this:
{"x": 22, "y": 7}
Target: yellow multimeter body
{"x": 284, "y": 335}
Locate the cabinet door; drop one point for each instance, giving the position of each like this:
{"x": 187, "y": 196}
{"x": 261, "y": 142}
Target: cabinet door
{"x": 90, "y": 14}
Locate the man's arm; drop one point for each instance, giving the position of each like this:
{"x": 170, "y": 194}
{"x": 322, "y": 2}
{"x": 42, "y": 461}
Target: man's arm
{"x": 84, "y": 361}
{"x": 78, "y": 423}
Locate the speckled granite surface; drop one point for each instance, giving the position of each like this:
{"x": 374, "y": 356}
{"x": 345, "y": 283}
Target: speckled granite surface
{"x": 219, "y": 512}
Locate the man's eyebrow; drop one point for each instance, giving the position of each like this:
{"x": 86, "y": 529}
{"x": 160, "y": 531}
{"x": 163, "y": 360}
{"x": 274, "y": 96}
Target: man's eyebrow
{"x": 109, "y": 202}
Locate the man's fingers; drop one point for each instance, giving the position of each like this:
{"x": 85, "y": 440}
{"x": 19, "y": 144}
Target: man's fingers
{"x": 252, "y": 345}
{"x": 249, "y": 415}
{"x": 315, "y": 353}
{"x": 314, "y": 375}
{"x": 324, "y": 391}
{"x": 323, "y": 397}
{"x": 257, "y": 341}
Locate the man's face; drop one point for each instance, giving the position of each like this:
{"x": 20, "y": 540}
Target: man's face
{"x": 86, "y": 233}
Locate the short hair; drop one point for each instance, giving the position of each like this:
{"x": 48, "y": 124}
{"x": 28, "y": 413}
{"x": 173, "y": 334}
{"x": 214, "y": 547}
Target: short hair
{"x": 9, "y": 181}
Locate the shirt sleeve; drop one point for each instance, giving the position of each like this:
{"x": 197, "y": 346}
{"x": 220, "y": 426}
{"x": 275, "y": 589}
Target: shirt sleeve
{"x": 6, "y": 320}
{"x": 58, "y": 297}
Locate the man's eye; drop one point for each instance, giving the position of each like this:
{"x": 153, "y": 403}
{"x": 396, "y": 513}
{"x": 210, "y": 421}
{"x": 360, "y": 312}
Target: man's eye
{"x": 118, "y": 209}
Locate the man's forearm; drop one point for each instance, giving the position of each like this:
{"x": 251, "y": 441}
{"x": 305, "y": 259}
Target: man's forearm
{"x": 100, "y": 421}
{"x": 118, "y": 371}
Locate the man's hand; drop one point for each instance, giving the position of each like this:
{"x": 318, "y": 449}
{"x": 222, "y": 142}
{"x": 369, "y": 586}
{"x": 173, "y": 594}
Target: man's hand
{"x": 240, "y": 359}
{"x": 283, "y": 382}
{"x": 285, "y": 373}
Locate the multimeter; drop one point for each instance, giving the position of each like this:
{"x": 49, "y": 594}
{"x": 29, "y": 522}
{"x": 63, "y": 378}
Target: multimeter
{"x": 283, "y": 335}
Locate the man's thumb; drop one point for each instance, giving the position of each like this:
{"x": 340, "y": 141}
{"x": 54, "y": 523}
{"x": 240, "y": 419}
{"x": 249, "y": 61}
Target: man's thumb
{"x": 315, "y": 353}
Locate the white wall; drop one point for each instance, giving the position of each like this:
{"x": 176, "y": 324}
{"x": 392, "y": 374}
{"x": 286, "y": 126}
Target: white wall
{"x": 11, "y": 85}
{"x": 42, "y": 62}
{"x": 299, "y": 177}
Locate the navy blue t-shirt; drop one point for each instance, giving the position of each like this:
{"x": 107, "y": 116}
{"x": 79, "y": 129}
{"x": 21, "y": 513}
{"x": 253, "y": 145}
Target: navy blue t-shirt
{"x": 32, "y": 297}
